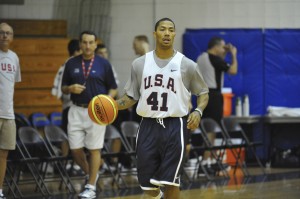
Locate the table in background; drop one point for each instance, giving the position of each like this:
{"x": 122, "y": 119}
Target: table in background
{"x": 251, "y": 119}
{"x": 284, "y": 132}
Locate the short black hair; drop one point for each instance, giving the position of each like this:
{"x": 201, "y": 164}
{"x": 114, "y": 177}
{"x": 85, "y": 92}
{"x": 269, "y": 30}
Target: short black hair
{"x": 100, "y": 46}
{"x": 163, "y": 19}
{"x": 73, "y": 46}
{"x": 142, "y": 38}
{"x": 88, "y": 32}
{"x": 214, "y": 41}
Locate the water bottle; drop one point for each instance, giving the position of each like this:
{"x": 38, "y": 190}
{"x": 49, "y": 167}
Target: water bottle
{"x": 238, "y": 107}
{"x": 246, "y": 106}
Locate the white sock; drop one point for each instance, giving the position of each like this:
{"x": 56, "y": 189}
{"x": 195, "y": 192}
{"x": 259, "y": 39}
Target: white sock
{"x": 213, "y": 161}
{"x": 209, "y": 161}
{"x": 87, "y": 179}
{"x": 204, "y": 162}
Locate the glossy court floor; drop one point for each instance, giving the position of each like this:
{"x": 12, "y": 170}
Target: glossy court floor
{"x": 279, "y": 183}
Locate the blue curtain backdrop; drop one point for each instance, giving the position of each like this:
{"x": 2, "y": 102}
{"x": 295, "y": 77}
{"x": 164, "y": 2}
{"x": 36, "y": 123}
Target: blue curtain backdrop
{"x": 249, "y": 43}
{"x": 282, "y": 67}
{"x": 269, "y": 64}
{"x": 269, "y": 70}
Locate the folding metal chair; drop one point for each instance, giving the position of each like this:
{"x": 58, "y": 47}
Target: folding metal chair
{"x": 197, "y": 149}
{"x": 31, "y": 139}
{"x": 233, "y": 129}
{"x": 55, "y": 138}
{"x": 209, "y": 125}
{"x": 21, "y": 120}
{"x": 107, "y": 154}
{"x": 129, "y": 131}
{"x": 25, "y": 161}
{"x": 14, "y": 165}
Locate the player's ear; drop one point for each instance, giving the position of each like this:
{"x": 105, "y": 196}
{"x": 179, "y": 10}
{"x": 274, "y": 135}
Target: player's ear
{"x": 154, "y": 34}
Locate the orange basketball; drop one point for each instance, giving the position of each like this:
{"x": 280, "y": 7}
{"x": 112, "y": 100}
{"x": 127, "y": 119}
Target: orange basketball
{"x": 103, "y": 109}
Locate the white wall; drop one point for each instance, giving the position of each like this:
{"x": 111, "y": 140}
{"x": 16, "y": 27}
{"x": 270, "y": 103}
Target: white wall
{"x": 133, "y": 17}
{"x": 32, "y": 9}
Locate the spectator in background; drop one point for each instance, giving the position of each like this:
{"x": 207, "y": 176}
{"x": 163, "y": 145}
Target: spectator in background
{"x": 86, "y": 76}
{"x": 140, "y": 47}
{"x": 102, "y": 51}
{"x": 213, "y": 66}
{"x": 74, "y": 50}
{"x": 9, "y": 74}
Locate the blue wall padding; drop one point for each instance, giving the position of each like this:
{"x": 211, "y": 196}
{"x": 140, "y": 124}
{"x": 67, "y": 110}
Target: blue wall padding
{"x": 282, "y": 68}
{"x": 269, "y": 70}
{"x": 249, "y": 43}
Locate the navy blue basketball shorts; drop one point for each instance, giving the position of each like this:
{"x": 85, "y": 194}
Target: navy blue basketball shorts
{"x": 161, "y": 151}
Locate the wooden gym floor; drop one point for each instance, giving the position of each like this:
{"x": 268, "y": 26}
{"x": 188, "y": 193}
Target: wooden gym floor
{"x": 279, "y": 183}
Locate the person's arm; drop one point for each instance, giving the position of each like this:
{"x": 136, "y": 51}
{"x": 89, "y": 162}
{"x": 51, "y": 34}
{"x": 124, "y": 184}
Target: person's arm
{"x": 195, "y": 117}
{"x": 74, "y": 88}
{"x": 113, "y": 93}
{"x": 234, "y": 64}
{"x": 66, "y": 86}
{"x": 125, "y": 102}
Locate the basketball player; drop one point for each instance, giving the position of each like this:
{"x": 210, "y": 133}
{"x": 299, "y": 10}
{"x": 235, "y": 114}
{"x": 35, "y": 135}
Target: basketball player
{"x": 9, "y": 74}
{"x": 162, "y": 82}
{"x": 86, "y": 76}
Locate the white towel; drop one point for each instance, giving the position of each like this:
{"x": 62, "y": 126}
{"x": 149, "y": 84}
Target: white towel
{"x": 278, "y": 111}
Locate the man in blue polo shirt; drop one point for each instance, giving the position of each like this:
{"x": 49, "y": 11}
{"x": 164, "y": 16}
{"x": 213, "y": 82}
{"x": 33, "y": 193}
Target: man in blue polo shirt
{"x": 86, "y": 76}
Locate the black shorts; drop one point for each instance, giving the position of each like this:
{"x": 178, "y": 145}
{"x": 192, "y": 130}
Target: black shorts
{"x": 214, "y": 108}
{"x": 161, "y": 151}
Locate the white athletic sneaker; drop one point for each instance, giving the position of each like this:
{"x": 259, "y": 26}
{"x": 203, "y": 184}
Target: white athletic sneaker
{"x": 88, "y": 192}
{"x": 2, "y": 196}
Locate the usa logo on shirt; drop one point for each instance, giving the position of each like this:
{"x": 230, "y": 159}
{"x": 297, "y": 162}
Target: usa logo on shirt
{"x": 7, "y": 70}
{"x": 7, "y": 67}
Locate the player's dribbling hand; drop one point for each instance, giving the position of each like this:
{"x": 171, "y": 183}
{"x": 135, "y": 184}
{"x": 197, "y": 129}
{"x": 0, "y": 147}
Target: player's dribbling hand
{"x": 193, "y": 120}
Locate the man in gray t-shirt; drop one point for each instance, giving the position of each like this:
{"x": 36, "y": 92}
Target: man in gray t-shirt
{"x": 213, "y": 66}
{"x": 9, "y": 74}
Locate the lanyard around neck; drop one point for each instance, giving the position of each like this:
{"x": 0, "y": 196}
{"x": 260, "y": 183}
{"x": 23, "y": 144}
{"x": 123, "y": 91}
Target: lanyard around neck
{"x": 86, "y": 73}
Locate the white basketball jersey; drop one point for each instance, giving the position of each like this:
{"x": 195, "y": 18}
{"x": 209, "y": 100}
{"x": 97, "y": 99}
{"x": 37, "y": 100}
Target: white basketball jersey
{"x": 163, "y": 93}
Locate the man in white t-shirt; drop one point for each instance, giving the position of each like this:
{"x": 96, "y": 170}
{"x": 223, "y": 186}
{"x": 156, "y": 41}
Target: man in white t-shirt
{"x": 9, "y": 74}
